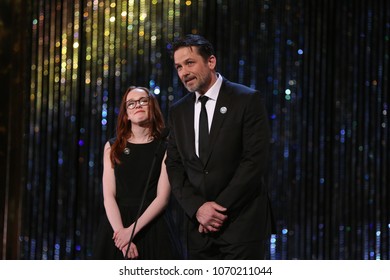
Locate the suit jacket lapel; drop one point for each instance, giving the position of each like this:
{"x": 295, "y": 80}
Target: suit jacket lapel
{"x": 188, "y": 121}
{"x": 221, "y": 109}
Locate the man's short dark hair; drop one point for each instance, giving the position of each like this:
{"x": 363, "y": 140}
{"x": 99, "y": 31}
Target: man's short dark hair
{"x": 204, "y": 47}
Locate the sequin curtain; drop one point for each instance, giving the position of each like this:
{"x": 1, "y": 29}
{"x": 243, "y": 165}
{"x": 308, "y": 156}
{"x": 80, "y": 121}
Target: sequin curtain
{"x": 323, "y": 65}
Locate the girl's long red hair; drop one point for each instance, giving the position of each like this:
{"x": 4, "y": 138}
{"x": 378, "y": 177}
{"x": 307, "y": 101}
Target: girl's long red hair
{"x": 123, "y": 128}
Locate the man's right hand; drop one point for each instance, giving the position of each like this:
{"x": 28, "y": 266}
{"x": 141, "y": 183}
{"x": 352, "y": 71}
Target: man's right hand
{"x": 210, "y": 217}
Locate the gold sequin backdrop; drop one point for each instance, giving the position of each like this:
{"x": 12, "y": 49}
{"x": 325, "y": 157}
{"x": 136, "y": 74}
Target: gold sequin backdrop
{"x": 323, "y": 65}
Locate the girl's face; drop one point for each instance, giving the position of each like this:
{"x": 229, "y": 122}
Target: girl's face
{"x": 137, "y": 106}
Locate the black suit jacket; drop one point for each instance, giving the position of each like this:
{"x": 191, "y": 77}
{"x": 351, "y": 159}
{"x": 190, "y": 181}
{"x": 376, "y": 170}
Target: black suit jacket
{"x": 235, "y": 167}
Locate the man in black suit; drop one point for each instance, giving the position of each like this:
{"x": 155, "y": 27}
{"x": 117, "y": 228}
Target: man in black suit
{"x": 218, "y": 178}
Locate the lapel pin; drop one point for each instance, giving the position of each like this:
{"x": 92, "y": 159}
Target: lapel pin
{"x": 126, "y": 151}
{"x": 223, "y": 110}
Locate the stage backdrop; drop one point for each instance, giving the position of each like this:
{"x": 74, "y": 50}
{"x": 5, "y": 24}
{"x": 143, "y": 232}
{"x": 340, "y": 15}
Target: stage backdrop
{"x": 323, "y": 66}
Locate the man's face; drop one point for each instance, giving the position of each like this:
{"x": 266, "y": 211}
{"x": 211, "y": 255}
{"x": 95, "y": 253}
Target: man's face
{"x": 195, "y": 73}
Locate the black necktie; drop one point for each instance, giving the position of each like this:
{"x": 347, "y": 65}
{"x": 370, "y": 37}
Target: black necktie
{"x": 203, "y": 130}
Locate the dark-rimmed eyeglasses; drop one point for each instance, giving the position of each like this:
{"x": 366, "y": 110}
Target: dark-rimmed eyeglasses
{"x": 143, "y": 101}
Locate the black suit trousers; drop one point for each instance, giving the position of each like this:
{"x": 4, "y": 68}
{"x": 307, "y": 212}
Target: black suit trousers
{"x": 218, "y": 249}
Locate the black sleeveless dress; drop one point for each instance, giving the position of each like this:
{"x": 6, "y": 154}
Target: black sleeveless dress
{"x": 155, "y": 240}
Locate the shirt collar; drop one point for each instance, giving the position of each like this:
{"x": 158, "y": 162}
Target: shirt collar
{"x": 213, "y": 92}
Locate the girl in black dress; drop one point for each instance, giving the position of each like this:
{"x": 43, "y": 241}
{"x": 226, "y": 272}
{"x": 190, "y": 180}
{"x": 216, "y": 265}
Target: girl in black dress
{"x": 127, "y": 162}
